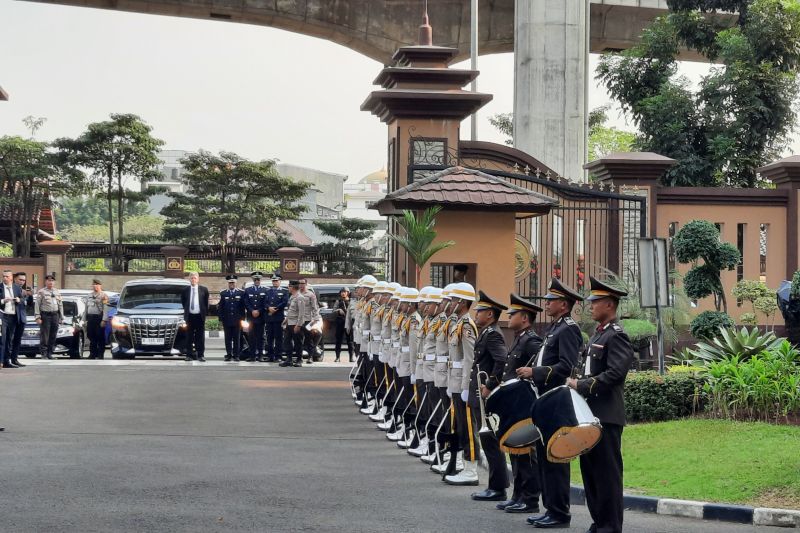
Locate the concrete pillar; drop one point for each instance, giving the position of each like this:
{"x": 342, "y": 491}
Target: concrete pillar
{"x": 550, "y": 77}
{"x": 174, "y": 258}
{"x": 290, "y": 258}
{"x": 785, "y": 174}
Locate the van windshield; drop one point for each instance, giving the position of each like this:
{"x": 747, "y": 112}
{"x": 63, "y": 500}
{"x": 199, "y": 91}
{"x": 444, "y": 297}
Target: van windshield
{"x": 155, "y": 296}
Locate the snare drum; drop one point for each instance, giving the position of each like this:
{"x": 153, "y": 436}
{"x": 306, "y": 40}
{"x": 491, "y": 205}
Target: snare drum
{"x": 568, "y": 427}
{"x": 512, "y": 403}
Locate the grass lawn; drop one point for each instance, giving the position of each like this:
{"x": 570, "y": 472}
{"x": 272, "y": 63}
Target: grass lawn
{"x": 712, "y": 460}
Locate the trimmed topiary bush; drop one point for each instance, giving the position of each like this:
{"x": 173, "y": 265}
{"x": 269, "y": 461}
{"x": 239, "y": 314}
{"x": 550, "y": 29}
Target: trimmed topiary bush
{"x": 650, "y": 397}
{"x": 707, "y": 324}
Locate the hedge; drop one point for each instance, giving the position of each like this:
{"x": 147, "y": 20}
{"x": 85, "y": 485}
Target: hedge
{"x": 650, "y": 397}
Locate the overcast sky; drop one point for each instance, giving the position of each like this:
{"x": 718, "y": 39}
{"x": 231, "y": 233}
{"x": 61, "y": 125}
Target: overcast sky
{"x": 257, "y": 91}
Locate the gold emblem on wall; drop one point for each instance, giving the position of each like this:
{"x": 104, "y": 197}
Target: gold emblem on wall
{"x": 290, "y": 265}
{"x": 522, "y": 258}
{"x": 174, "y": 263}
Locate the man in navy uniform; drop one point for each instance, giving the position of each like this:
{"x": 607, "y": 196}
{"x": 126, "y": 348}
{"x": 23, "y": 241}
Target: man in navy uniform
{"x": 231, "y": 313}
{"x": 551, "y": 368}
{"x": 254, "y": 301}
{"x": 276, "y": 300}
{"x": 601, "y": 380}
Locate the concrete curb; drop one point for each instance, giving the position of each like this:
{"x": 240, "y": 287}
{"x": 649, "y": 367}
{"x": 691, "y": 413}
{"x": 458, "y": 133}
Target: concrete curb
{"x": 740, "y": 514}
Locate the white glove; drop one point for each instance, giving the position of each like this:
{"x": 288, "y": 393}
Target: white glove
{"x": 413, "y": 378}
{"x": 448, "y": 392}
{"x": 464, "y": 395}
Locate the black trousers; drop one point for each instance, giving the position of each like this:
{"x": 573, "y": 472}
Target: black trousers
{"x": 601, "y": 469}
{"x": 527, "y": 483}
{"x": 555, "y": 485}
{"x": 294, "y": 347}
{"x": 48, "y": 333}
{"x": 343, "y": 335}
{"x": 9, "y": 328}
{"x": 466, "y": 434}
{"x": 442, "y": 413}
{"x": 17, "y": 342}
{"x": 498, "y": 471}
{"x": 424, "y": 408}
{"x": 255, "y": 337}
{"x": 196, "y": 343}
{"x": 97, "y": 336}
{"x": 274, "y": 339}
{"x": 233, "y": 339}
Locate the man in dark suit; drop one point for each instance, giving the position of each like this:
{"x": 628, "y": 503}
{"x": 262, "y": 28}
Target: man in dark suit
{"x": 601, "y": 380}
{"x": 12, "y": 309}
{"x": 195, "y": 308}
{"x": 275, "y": 301}
{"x": 21, "y": 279}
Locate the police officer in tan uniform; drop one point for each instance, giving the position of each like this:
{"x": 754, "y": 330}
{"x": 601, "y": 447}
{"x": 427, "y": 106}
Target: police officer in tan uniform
{"x": 96, "y": 318}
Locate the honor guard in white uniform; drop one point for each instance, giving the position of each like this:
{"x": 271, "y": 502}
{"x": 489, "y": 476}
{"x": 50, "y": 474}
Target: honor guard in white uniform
{"x": 406, "y": 364}
{"x": 445, "y": 423}
{"x": 426, "y": 364}
{"x": 461, "y": 346}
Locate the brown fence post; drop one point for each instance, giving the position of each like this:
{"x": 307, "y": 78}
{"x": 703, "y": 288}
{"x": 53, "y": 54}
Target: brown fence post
{"x": 174, "y": 260}
{"x": 55, "y": 259}
{"x": 290, "y": 258}
{"x": 785, "y": 174}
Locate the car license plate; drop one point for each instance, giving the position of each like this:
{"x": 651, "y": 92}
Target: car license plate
{"x": 154, "y": 341}
{"x": 30, "y": 342}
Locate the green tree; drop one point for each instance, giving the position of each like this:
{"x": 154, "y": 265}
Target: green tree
{"x": 230, "y": 201}
{"x": 346, "y": 254}
{"x": 116, "y": 151}
{"x": 88, "y": 210}
{"x": 603, "y": 139}
{"x": 418, "y": 235}
{"x": 699, "y": 239}
{"x": 741, "y": 115}
{"x": 141, "y": 229}
{"x": 30, "y": 175}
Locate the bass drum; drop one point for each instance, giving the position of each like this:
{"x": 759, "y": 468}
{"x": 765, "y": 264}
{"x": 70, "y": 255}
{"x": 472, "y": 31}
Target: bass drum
{"x": 568, "y": 427}
{"x": 511, "y": 403}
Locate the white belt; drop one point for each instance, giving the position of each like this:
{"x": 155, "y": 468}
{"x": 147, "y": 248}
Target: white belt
{"x": 442, "y": 359}
{"x": 387, "y": 341}
{"x": 430, "y": 357}
{"x": 376, "y": 337}
{"x": 405, "y": 349}
{"x": 457, "y": 364}
{"x": 395, "y": 345}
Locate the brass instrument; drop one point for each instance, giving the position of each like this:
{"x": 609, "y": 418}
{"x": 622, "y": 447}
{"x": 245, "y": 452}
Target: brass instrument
{"x": 485, "y": 423}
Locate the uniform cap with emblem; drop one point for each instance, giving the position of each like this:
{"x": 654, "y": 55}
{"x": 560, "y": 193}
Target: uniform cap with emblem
{"x": 368, "y": 281}
{"x": 380, "y": 287}
{"x": 603, "y": 290}
{"x": 257, "y": 275}
{"x": 423, "y": 293}
{"x": 96, "y": 281}
{"x": 50, "y": 276}
{"x": 464, "y": 291}
{"x": 485, "y": 302}
{"x": 434, "y": 295}
{"x": 558, "y": 291}
{"x": 409, "y": 295}
{"x": 276, "y": 277}
{"x": 231, "y": 278}
{"x": 519, "y": 303}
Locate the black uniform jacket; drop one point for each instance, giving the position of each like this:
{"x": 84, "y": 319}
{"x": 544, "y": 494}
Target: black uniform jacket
{"x": 607, "y": 359}
{"x": 490, "y": 357}
{"x": 526, "y": 345}
{"x": 562, "y": 347}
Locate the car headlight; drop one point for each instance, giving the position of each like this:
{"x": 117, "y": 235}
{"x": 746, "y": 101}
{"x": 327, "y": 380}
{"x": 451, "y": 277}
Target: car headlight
{"x": 245, "y": 325}
{"x": 64, "y": 331}
{"x": 120, "y": 322}
{"x": 183, "y": 325}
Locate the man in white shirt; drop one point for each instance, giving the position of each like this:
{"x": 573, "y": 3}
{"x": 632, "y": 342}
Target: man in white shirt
{"x": 195, "y": 308}
{"x": 10, "y": 303}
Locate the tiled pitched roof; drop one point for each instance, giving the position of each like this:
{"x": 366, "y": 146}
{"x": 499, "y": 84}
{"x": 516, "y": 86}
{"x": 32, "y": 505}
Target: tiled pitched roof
{"x": 460, "y": 187}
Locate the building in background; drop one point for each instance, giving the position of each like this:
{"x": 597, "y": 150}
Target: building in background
{"x": 357, "y": 198}
{"x": 171, "y": 177}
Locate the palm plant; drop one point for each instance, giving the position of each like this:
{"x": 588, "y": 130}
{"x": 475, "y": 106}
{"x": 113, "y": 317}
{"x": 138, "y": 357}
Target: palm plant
{"x": 418, "y": 237}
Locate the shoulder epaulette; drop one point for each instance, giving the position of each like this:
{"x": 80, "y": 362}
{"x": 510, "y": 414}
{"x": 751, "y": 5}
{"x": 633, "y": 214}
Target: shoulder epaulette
{"x": 570, "y": 321}
{"x": 617, "y": 327}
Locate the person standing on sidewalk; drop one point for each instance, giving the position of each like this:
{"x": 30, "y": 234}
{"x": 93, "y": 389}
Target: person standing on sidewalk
{"x": 294, "y": 325}
{"x": 195, "y": 308}
{"x": 342, "y": 333}
{"x": 11, "y": 305}
{"x": 21, "y": 279}
{"x": 49, "y": 315}
{"x": 96, "y": 318}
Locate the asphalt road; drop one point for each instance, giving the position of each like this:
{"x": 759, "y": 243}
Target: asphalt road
{"x": 167, "y": 446}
